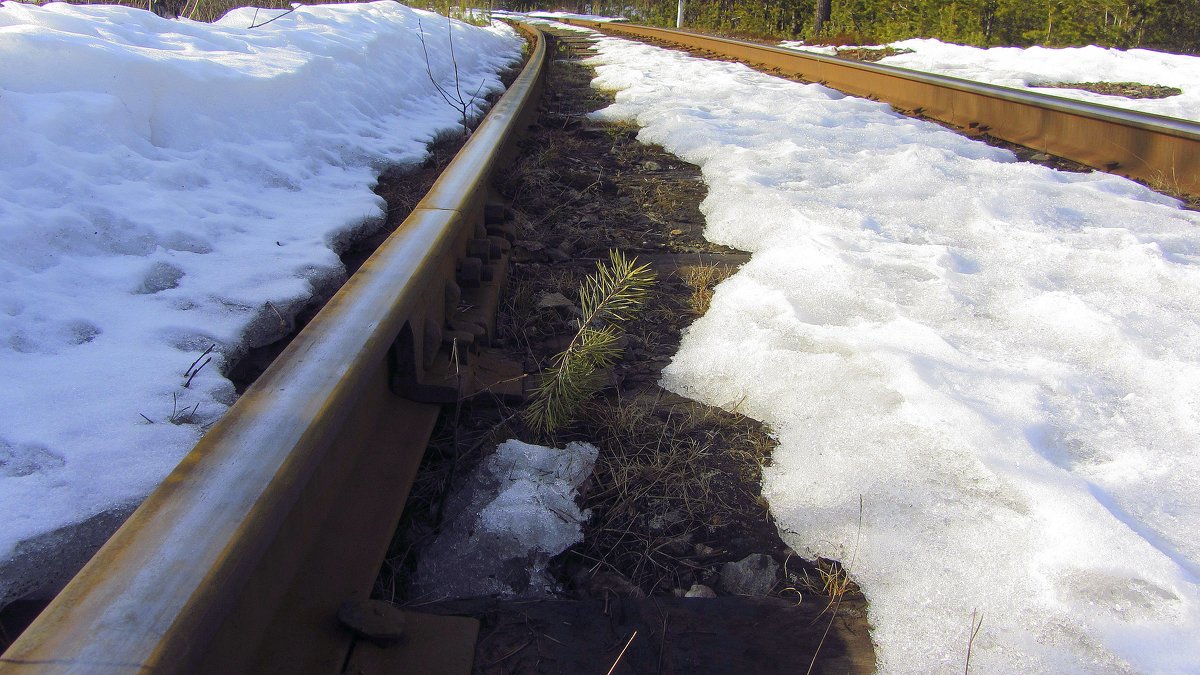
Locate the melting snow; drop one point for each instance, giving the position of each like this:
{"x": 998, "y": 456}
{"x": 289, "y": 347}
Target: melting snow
{"x": 1027, "y": 68}
{"x": 1001, "y": 360}
{"x": 170, "y": 185}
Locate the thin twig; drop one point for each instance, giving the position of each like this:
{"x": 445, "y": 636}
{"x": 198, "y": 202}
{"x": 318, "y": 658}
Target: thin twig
{"x": 840, "y": 592}
{"x": 510, "y": 654}
{"x": 971, "y": 642}
{"x": 254, "y": 25}
{"x": 197, "y": 372}
{"x": 206, "y": 353}
{"x": 453, "y": 59}
{"x": 618, "y": 661}
{"x": 458, "y": 401}
{"x": 820, "y": 644}
{"x": 454, "y": 100}
{"x": 429, "y": 68}
{"x": 662, "y": 646}
{"x": 283, "y": 324}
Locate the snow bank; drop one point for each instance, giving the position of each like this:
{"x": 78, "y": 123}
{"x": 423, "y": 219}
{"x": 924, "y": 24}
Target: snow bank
{"x": 1002, "y": 360}
{"x": 571, "y": 15}
{"x": 1027, "y": 68}
{"x": 515, "y": 512}
{"x": 170, "y": 185}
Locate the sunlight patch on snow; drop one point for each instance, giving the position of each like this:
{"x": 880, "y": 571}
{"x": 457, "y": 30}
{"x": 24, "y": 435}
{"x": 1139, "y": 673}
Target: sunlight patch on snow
{"x": 1001, "y": 359}
{"x": 1034, "y": 67}
{"x": 167, "y": 185}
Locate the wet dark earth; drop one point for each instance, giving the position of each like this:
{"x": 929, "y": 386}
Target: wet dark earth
{"x": 674, "y": 499}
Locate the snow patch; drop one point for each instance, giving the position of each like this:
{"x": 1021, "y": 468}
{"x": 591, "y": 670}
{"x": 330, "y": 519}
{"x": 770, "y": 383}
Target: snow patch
{"x": 1001, "y": 360}
{"x": 167, "y": 185}
{"x": 1034, "y": 67}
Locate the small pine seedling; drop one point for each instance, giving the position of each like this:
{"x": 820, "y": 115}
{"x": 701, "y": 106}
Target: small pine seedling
{"x": 607, "y": 298}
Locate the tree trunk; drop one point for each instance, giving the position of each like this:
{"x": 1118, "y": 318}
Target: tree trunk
{"x": 824, "y": 8}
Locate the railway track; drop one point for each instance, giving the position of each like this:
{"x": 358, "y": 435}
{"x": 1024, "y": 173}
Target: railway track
{"x": 244, "y": 557}
{"x": 1162, "y": 152}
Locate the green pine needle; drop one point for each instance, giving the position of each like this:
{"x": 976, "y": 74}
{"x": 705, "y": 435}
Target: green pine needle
{"x": 607, "y": 298}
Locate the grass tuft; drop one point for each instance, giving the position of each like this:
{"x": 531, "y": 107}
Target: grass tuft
{"x": 703, "y": 280}
{"x": 669, "y": 481}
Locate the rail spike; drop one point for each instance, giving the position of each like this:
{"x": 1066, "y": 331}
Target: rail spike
{"x": 455, "y": 361}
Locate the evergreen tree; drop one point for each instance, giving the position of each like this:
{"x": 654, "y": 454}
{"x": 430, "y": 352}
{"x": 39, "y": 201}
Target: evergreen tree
{"x": 1172, "y": 25}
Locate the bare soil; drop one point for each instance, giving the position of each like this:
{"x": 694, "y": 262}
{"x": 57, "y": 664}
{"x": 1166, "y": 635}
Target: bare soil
{"x": 675, "y": 493}
{"x": 1123, "y": 89}
{"x": 869, "y": 55}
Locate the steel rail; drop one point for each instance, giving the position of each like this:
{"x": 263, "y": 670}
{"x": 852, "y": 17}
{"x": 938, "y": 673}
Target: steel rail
{"x": 241, "y": 558}
{"x": 1164, "y": 152}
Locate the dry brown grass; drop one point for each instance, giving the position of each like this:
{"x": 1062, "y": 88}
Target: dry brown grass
{"x": 671, "y": 476}
{"x": 622, "y": 137}
{"x": 703, "y": 279}
{"x": 1168, "y": 183}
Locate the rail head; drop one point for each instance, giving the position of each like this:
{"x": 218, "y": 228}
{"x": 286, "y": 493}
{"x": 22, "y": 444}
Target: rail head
{"x": 150, "y": 598}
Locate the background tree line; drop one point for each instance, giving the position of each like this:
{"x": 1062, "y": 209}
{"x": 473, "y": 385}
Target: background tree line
{"x": 1173, "y": 25}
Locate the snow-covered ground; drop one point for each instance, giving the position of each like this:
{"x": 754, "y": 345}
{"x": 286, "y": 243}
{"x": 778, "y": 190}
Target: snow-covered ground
{"x": 570, "y": 15}
{"x": 170, "y": 185}
{"x": 1027, "y": 68}
{"x": 1002, "y": 361}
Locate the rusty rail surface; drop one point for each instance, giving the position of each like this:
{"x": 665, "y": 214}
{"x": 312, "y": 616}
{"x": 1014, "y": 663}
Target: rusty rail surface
{"x": 1163, "y": 152}
{"x": 240, "y": 560}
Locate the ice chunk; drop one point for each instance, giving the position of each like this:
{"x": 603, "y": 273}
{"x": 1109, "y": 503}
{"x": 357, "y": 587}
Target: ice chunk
{"x": 515, "y": 513}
